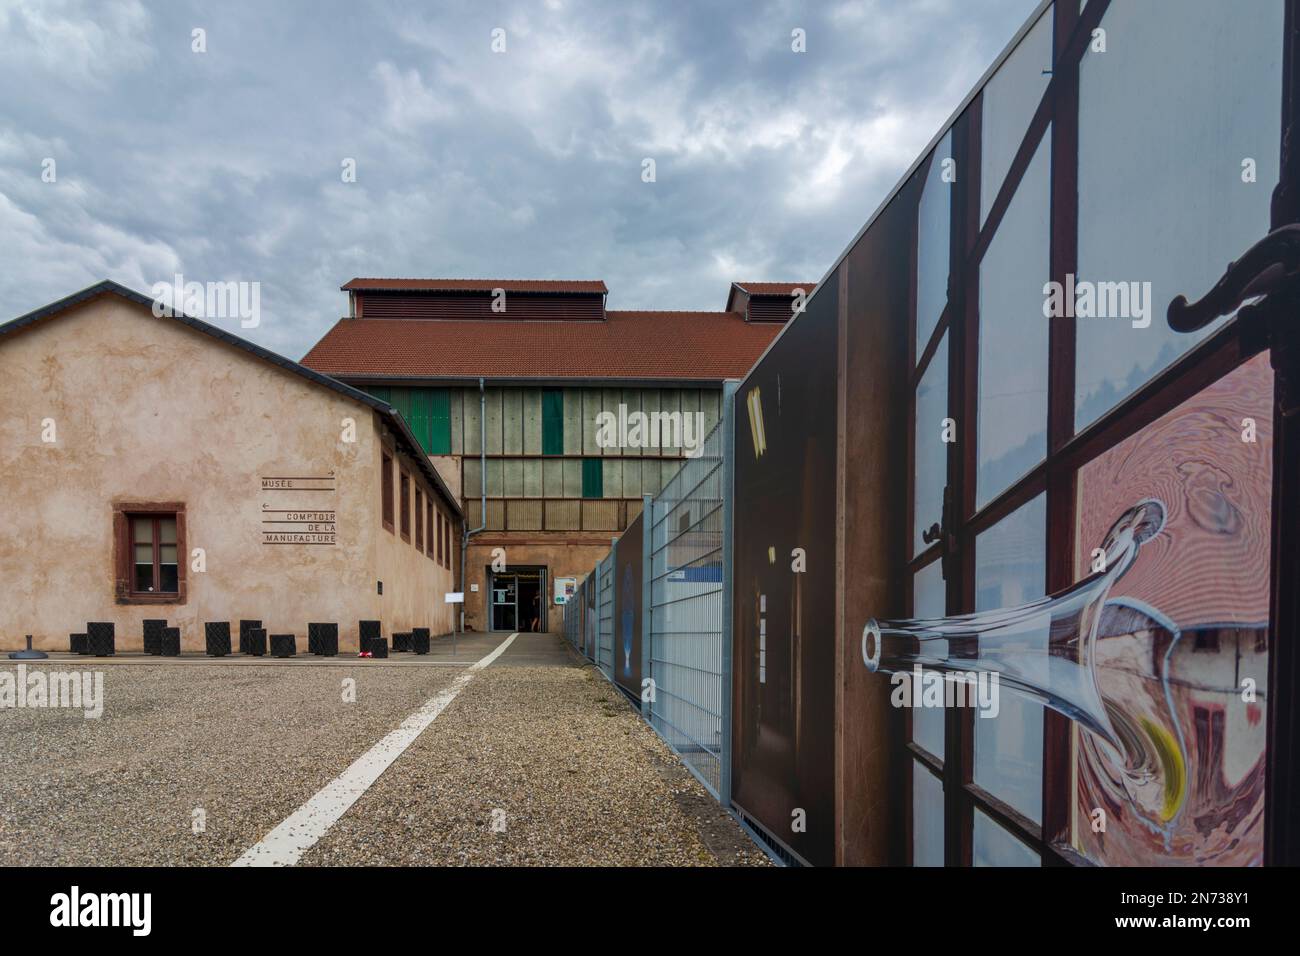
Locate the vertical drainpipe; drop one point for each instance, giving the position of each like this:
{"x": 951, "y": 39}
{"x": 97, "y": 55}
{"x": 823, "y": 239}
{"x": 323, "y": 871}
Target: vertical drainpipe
{"x": 482, "y": 487}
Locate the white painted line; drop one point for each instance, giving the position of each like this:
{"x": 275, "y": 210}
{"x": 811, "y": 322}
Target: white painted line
{"x": 286, "y": 844}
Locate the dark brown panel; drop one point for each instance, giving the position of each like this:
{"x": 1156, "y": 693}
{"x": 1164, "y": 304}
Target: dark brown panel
{"x": 783, "y": 754}
{"x": 478, "y": 305}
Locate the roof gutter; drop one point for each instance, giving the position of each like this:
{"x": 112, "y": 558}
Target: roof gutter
{"x": 362, "y": 379}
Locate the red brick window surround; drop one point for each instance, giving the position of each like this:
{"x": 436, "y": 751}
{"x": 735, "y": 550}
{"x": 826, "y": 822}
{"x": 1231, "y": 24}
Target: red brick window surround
{"x": 405, "y": 503}
{"x": 149, "y": 553}
{"x": 386, "y": 491}
{"x": 419, "y": 520}
{"x": 429, "y": 543}
{"x": 446, "y": 547}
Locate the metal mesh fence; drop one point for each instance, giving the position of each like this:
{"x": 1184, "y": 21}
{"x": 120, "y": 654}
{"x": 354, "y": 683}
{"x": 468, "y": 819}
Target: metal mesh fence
{"x": 685, "y": 580}
{"x": 572, "y": 632}
{"x": 686, "y": 524}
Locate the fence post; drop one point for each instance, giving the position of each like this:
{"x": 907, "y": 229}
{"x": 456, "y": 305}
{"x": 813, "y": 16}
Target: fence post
{"x": 612, "y": 676}
{"x": 595, "y": 583}
{"x": 647, "y": 598}
{"x": 607, "y": 606}
{"x": 728, "y": 577}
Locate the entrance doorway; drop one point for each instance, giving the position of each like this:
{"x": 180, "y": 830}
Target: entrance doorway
{"x": 518, "y": 599}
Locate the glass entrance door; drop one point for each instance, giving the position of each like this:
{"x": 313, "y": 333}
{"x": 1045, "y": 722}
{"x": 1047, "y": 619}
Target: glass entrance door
{"x": 505, "y": 602}
{"x": 518, "y": 598}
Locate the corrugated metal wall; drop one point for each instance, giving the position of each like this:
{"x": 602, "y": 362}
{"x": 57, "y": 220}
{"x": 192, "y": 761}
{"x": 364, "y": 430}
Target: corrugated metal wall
{"x": 584, "y": 487}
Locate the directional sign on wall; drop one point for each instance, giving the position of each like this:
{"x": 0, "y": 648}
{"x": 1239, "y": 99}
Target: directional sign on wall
{"x": 298, "y": 509}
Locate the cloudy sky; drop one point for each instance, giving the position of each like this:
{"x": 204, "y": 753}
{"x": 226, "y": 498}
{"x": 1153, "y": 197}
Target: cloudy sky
{"x": 227, "y": 164}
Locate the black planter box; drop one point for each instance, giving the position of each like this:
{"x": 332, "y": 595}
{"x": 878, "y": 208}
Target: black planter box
{"x": 169, "y": 642}
{"x": 401, "y": 641}
{"x": 283, "y": 645}
{"x": 100, "y": 639}
{"x": 153, "y": 628}
{"x": 254, "y": 641}
{"x": 244, "y": 627}
{"x": 420, "y": 640}
{"x": 77, "y": 644}
{"x": 367, "y": 631}
{"x": 378, "y": 647}
{"x": 323, "y": 639}
{"x": 218, "y": 638}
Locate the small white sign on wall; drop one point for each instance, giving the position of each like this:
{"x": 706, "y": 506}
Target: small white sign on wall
{"x": 565, "y": 588}
{"x": 454, "y": 597}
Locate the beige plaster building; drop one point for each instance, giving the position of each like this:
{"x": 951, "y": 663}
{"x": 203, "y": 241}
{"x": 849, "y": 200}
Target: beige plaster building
{"x": 161, "y": 467}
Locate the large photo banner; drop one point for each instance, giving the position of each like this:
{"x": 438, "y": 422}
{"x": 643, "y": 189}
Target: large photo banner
{"x": 783, "y": 755}
{"x": 627, "y": 608}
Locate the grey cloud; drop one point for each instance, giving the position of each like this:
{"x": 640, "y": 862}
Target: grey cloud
{"x": 226, "y": 165}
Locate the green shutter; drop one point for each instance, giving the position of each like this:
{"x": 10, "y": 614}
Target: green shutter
{"x": 439, "y": 400}
{"x": 593, "y": 478}
{"x": 552, "y": 421}
{"x": 419, "y": 416}
{"x": 402, "y": 400}
{"x": 427, "y": 412}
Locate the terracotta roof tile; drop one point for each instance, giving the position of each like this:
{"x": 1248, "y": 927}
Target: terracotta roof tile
{"x": 629, "y": 345}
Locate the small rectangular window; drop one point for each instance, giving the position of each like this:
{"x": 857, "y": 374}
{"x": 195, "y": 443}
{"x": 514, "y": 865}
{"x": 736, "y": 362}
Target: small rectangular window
{"x": 428, "y": 541}
{"x": 440, "y": 537}
{"x": 153, "y": 554}
{"x": 386, "y": 491}
{"x": 148, "y": 543}
{"x": 406, "y": 506}
{"x": 419, "y": 520}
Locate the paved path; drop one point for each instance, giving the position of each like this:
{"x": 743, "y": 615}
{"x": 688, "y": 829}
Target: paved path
{"x": 536, "y": 759}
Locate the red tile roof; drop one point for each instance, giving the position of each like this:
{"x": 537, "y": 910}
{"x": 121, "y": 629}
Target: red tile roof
{"x": 629, "y": 345}
{"x": 564, "y": 286}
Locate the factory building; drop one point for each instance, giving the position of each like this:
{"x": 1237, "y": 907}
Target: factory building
{"x": 549, "y": 415}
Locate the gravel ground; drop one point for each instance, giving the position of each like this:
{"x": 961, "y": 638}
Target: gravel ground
{"x": 246, "y": 744}
{"x": 537, "y": 766}
{"x": 576, "y": 776}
